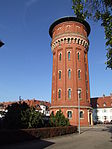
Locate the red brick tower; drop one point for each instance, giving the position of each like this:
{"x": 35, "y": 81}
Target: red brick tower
{"x": 70, "y": 76}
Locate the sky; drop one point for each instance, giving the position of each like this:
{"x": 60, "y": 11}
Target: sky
{"x": 26, "y": 57}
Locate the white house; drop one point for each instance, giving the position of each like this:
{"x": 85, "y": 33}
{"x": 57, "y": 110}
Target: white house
{"x": 102, "y": 109}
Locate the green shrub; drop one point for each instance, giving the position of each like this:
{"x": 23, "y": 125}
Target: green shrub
{"x": 58, "y": 120}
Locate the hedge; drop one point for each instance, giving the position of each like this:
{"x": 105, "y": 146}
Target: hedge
{"x": 14, "y": 136}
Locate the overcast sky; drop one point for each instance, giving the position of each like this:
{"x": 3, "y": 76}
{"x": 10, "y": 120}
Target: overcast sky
{"x": 26, "y": 57}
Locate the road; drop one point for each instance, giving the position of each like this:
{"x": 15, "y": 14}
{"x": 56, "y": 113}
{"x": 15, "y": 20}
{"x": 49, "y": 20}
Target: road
{"x": 97, "y": 137}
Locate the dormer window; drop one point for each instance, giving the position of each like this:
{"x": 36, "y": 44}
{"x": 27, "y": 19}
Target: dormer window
{"x": 104, "y": 104}
{"x": 97, "y": 105}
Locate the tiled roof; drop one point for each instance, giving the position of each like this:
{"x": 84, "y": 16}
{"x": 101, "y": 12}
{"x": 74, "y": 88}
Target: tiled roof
{"x": 30, "y": 102}
{"x": 101, "y": 102}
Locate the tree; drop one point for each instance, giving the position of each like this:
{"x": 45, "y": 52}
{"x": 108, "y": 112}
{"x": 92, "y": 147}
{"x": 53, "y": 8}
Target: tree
{"x": 31, "y": 118}
{"x": 58, "y": 120}
{"x": 20, "y": 115}
{"x": 12, "y": 118}
{"x": 97, "y": 10}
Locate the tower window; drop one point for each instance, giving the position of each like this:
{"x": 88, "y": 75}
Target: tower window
{"x": 69, "y": 55}
{"x": 59, "y": 75}
{"x": 60, "y": 56}
{"x": 69, "y": 93}
{"x": 81, "y": 114}
{"x": 79, "y": 71}
{"x": 69, "y": 114}
{"x": 78, "y": 55}
{"x": 79, "y": 94}
{"x": 69, "y": 74}
{"x": 59, "y": 93}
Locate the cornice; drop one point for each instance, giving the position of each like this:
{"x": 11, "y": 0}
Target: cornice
{"x": 83, "y": 107}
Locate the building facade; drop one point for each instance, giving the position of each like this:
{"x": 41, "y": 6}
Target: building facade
{"x": 70, "y": 75}
{"x": 102, "y": 109}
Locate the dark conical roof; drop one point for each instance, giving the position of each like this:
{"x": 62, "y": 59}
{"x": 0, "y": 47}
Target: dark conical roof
{"x": 65, "y": 19}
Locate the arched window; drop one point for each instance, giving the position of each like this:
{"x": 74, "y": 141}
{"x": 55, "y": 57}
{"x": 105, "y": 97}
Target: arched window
{"x": 69, "y": 55}
{"x": 79, "y": 93}
{"x": 59, "y": 93}
{"x": 69, "y": 74}
{"x": 69, "y": 93}
{"x": 69, "y": 114}
{"x": 60, "y": 56}
{"x": 59, "y": 74}
{"x": 78, "y": 55}
{"x": 81, "y": 114}
{"x": 79, "y": 71}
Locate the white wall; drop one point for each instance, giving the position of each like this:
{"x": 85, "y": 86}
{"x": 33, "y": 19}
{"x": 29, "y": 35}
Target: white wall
{"x": 104, "y": 112}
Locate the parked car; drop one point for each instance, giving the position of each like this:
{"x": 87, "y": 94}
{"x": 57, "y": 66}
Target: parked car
{"x": 111, "y": 122}
{"x": 106, "y": 122}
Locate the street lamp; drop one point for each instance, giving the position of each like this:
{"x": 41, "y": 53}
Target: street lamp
{"x": 1, "y": 43}
{"x": 79, "y": 111}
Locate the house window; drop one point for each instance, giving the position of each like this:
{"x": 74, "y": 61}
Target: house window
{"x": 79, "y": 74}
{"x": 69, "y": 74}
{"x": 69, "y": 114}
{"x": 59, "y": 93}
{"x": 78, "y": 55}
{"x": 81, "y": 114}
{"x": 69, "y": 93}
{"x": 98, "y": 118}
{"x": 69, "y": 55}
{"x": 104, "y": 110}
{"x": 60, "y": 55}
{"x": 59, "y": 75}
{"x": 105, "y": 118}
{"x": 79, "y": 93}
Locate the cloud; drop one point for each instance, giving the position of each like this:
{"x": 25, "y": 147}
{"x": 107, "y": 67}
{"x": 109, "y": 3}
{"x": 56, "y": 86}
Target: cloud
{"x": 30, "y": 2}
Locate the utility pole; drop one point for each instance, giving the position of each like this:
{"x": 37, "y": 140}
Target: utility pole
{"x": 79, "y": 111}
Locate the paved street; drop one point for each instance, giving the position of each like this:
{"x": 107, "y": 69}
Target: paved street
{"x": 90, "y": 138}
